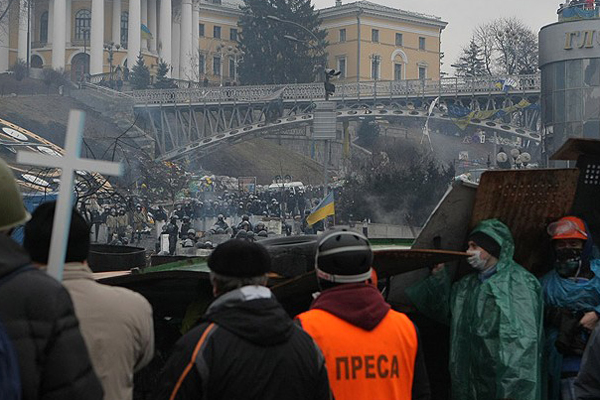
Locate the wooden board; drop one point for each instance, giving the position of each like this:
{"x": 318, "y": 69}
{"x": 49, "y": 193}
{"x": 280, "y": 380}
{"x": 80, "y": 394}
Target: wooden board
{"x": 446, "y": 228}
{"x": 448, "y": 224}
{"x": 575, "y": 147}
{"x": 526, "y": 201}
{"x": 387, "y": 262}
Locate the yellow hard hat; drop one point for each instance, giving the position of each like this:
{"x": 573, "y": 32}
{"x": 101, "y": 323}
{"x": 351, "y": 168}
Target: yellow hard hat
{"x": 11, "y": 203}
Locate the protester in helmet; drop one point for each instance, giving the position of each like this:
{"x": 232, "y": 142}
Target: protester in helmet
{"x": 221, "y": 222}
{"x": 370, "y": 350}
{"x": 185, "y": 227}
{"x": 572, "y": 303}
{"x": 172, "y": 230}
{"x": 38, "y": 317}
{"x": 495, "y": 318}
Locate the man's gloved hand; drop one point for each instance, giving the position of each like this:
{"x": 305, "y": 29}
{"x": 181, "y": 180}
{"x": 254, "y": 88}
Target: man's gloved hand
{"x": 437, "y": 268}
{"x": 589, "y": 320}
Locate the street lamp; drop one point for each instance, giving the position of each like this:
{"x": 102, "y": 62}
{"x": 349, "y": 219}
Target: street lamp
{"x": 111, "y": 47}
{"x": 328, "y": 73}
{"x": 85, "y": 32}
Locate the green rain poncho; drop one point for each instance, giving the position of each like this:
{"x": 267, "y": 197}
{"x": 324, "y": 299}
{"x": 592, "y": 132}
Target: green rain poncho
{"x": 496, "y": 325}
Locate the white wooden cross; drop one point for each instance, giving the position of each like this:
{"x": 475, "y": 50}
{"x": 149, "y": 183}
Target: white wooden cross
{"x": 69, "y": 163}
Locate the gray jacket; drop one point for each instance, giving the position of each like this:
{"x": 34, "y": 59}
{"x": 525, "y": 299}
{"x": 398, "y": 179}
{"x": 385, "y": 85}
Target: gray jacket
{"x": 587, "y": 384}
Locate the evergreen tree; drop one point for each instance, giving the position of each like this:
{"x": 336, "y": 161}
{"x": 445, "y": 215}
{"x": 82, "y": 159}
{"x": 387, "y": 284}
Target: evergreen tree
{"x": 470, "y": 62}
{"x": 140, "y": 75}
{"x": 270, "y": 58}
{"x": 162, "y": 81}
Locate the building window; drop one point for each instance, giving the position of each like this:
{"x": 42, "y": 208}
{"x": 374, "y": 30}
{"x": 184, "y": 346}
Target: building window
{"x": 422, "y": 72}
{"x": 217, "y": 32}
{"x": 201, "y": 64}
{"x": 375, "y": 64}
{"x": 233, "y": 35}
{"x": 342, "y": 66}
{"x": 421, "y": 43}
{"x": 375, "y": 35}
{"x": 44, "y": 27}
{"x": 399, "y": 39}
{"x": 217, "y": 65}
{"x": 124, "y": 29}
{"x": 397, "y": 72}
{"x": 232, "y": 72}
{"x": 201, "y": 30}
{"x": 83, "y": 20}
{"x": 342, "y": 35}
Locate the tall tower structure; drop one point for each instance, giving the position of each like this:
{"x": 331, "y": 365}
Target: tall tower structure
{"x": 569, "y": 60}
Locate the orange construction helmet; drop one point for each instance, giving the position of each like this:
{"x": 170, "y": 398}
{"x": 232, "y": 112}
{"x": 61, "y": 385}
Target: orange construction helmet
{"x": 568, "y": 228}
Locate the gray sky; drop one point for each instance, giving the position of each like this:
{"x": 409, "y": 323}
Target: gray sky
{"x": 463, "y": 15}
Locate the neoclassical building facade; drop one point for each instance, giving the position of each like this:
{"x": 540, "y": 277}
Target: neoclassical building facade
{"x": 198, "y": 38}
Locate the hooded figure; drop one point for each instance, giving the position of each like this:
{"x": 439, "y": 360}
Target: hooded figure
{"x": 572, "y": 302}
{"x": 495, "y": 317}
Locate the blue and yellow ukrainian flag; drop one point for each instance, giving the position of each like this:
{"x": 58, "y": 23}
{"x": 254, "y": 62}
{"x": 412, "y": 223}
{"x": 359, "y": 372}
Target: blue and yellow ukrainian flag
{"x": 146, "y": 34}
{"x": 322, "y": 210}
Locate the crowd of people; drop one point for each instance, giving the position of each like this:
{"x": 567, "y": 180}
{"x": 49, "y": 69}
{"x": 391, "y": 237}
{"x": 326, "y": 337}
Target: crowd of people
{"x": 513, "y": 336}
{"x": 130, "y": 219}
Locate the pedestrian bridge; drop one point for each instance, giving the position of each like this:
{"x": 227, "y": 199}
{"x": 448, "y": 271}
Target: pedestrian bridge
{"x": 194, "y": 121}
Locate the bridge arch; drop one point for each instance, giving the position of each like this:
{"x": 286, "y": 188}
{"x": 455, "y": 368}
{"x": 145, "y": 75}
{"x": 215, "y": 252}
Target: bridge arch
{"x": 237, "y": 135}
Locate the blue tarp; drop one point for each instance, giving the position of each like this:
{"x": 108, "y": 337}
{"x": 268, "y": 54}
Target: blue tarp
{"x": 31, "y": 203}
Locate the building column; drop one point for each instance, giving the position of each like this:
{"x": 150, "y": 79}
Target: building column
{"x": 195, "y": 31}
{"x": 22, "y": 46}
{"x": 144, "y": 22}
{"x": 4, "y": 46}
{"x": 50, "y": 22}
{"x": 152, "y": 25}
{"x": 97, "y": 38}
{"x": 59, "y": 35}
{"x": 68, "y": 30}
{"x": 164, "y": 40}
{"x": 185, "y": 51}
{"x": 133, "y": 34}
{"x": 175, "y": 41}
{"x": 116, "y": 22}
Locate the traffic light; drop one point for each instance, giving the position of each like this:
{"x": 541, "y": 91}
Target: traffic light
{"x": 330, "y": 87}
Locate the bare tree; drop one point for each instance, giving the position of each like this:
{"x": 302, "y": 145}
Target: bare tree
{"x": 507, "y": 47}
{"x": 485, "y": 42}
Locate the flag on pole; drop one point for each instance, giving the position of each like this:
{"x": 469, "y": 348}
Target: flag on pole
{"x": 146, "y": 34}
{"x": 322, "y": 210}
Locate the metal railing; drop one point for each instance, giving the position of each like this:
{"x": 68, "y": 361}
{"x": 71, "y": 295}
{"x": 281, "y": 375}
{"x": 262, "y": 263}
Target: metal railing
{"x": 106, "y": 91}
{"x": 372, "y": 89}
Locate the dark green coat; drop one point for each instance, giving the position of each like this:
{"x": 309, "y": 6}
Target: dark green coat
{"x": 496, "y": 326}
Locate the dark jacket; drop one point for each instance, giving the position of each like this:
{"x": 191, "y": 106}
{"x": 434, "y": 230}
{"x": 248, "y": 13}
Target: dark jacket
{"x": 39, "y": 317}
{"x": 253, "y": 351}
{"x": 587, "y": 384}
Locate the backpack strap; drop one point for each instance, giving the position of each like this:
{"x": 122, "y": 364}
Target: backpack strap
{"x": 197, "y": 349}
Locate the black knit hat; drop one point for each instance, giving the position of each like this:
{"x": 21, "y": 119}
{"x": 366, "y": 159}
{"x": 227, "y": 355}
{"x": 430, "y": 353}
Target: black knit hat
{"x": 486, "y": 242}
{"x": 240, "y": 259}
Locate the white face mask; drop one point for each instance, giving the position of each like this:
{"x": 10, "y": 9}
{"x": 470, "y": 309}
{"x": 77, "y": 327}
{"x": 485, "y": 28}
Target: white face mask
{"x": 475, "y": 260}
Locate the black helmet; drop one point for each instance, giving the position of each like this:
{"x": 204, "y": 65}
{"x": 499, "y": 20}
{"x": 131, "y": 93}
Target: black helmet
{"x": 242, "y": 234}
{"x": 343, "y": 256}
{"x": 245, "y": 217}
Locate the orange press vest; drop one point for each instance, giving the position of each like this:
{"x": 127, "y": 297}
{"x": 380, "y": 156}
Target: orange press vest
{"x": 377, "y": 364}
